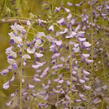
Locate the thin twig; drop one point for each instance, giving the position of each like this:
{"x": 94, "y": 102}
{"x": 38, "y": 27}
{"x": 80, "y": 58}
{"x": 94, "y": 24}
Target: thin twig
{"x": 10, "y": 20}
{"x": 24, "y": 21}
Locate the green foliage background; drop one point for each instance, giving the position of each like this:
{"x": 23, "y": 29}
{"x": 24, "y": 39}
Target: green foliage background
{"x": 31, "y": 9}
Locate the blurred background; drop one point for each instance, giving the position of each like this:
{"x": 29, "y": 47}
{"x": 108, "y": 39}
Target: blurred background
{"x": 32, "y": 9}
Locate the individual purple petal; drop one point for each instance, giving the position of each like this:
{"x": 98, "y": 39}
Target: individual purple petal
{"x": 81, "y": 39}
{"x": 41, "y": 48}
{"x": 85, "y": 78}
{"x": 50, "y": 38}
{"x": 11, "y": 61}
{"x": 55, "y": 55}
{"x": 76, "y": 49}
{"x": 31, "y": 50}
{"x": 12, "y": 79}
{"x": 28, "y": 23}
{"x": 9, "y": 103}
{"x": 67, "y": 10}
{"x": 38, "y": 43}
{"x": 82, "y": 96}
{"x": 97, "y": 100}
{"x": 69, "y": 16}
{"x": 12, "y": 35}
{"x": 89, "y": 61}
{"x": 44, "y": 73}
{"x": 58, "y": 43}
{"x": 38, "y": 55}
{"x": 68, "y": 82}
{"x": 12, "y": 41}
{"x": 107, "y": 7}
{"x": 39, "y": 70}
{"x": 79, "y": 4}
{"x": 51, "y": 28}
{"x": 62, "y": 32}
{"x": 25, "y": 63}
{"x": 74, "y": 72}
{"x": 82, "y": 81}
{"x": 10, "y": 57}
{"x": 86, "y": 44}
{"x": 71, "y": 35}
{"x": 53, "y": 48}
{"x": 85, "y": 55}
{"x": 73, "y": 21}
{"x": 77, "y": 28}
{"x": 45, "y": 86}
{"x": 26, "y": 56}
{"x": 61, "y": 21}
{"x": 69, "y": 4}
{"x": 8, "y": 50}
{"x": 85, "y": 18}
{"x": 14, "y": 66}
{"x": 78, "y": 100}
{"x": 30, "y": 86}
{"x": 36, "y": 79}
{"x": 60, "y": 81}
{"x": 57, "y": 9}
{"x": 81, "y": 33}
{"x": 57, "y": 66}
{"x": 53, "y": 61}
{"x": 62, "y": 59}
{"x": 41, "y": 22}
{"x": 6, "y": 85}
{"x": 38, "y": 65}
{"x": 56, "y": 91}
{"x": 86, "y": 72}
{"x": 9, "y": 68}
{"x": 87, "y": 87}
{"x": 42, "y": 105}
{"x": 4, "y": 72}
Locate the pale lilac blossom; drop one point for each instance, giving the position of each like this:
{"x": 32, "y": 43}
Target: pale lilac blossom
{"x": 38, "y": 65}
{"x": 31, "y": 50}
{"x": 31, "y": 86}
{"x": 61, "y": 21}
{"x": 86, "y": 44}
{"x": 39, "y": 55}
{"x": 26, "y": 56}
{"x": 4, "y": 72}
{"x": 44, "y": 73}
{"x": 86, "y": 72}
{"x": 51, "y": 28}
{"x": 6, "y": 85}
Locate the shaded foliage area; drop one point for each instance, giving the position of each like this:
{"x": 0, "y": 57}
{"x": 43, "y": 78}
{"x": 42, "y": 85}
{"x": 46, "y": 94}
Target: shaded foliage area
{"x": 91, "y": 16}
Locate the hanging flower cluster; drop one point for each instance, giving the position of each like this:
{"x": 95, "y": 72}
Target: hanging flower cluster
{"x": 60, "y": 58}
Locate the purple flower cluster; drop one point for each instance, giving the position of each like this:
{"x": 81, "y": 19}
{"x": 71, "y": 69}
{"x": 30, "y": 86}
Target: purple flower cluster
{"x": 60, "y": 59}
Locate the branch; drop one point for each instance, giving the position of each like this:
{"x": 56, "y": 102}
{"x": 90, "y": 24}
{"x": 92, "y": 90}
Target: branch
{"x": 10, "y": 20}
{"x": 24, "y": 21}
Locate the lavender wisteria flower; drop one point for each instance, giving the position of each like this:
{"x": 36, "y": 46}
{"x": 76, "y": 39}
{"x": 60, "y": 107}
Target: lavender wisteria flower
{"x": 17, "y": 37}
{"x": 4, "y": 72}
{"x": 58, "y": 60}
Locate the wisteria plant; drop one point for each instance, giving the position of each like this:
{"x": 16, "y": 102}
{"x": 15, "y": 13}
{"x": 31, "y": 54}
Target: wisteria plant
{"x": 55, "y": 67}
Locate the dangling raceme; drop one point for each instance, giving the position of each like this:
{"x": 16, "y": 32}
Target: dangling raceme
{"x": 59, "y": 57}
